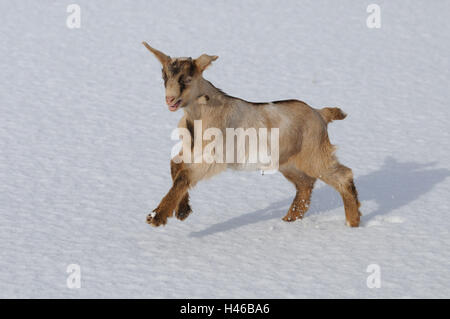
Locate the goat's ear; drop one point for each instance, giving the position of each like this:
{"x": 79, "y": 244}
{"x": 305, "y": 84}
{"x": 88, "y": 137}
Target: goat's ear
{"x": 164, "y": 59}
{"x": 203, "y": 61}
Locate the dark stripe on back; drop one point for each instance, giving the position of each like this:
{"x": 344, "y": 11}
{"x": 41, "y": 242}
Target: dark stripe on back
{"x": 286, "y": 101}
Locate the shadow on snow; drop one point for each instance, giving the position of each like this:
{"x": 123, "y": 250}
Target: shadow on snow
{"x": 394, "y": 185}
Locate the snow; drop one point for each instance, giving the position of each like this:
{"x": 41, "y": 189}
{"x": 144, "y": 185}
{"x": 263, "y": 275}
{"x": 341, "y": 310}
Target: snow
{"x": 85, "y": 148}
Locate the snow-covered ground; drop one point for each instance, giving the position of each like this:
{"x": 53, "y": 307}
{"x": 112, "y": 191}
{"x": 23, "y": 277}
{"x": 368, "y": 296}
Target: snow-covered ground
{"x": 85, "y": 147}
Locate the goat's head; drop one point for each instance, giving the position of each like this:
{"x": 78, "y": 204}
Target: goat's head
{"x": 182, "y": 77}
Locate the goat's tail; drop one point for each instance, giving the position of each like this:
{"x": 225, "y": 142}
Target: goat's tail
{"x": 329, "y": 114}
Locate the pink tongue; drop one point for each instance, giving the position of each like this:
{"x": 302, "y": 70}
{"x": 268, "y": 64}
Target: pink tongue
{"x": 174, "y": 107}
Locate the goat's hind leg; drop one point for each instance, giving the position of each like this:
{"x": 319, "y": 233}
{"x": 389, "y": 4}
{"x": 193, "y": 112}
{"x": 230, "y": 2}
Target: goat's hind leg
{"x": 341, "y": 178}
{"x": 304, "y": 185}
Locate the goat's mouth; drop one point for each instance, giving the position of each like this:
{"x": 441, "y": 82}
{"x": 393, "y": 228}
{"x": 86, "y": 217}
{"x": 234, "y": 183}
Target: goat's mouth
{"x": 175, "y": 106}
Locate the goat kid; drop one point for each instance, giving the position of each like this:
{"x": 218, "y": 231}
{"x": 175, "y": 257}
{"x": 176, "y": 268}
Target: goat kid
{"x": 305, "y": 152}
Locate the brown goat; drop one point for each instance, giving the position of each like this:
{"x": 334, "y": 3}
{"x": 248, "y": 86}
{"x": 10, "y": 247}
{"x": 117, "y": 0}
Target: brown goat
{"x": 305, "y": 152}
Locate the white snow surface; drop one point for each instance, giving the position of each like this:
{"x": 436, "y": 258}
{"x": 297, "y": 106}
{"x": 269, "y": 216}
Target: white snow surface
{"x": 85, "y": 149}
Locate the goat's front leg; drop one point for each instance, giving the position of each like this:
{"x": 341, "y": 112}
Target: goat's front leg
{"x": 170, "y": 202}
{"x": 183, "y": 209}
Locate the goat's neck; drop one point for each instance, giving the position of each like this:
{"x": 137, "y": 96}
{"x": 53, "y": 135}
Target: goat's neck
{"x": 196, "y": 109}
{"x": 207, "y": 88}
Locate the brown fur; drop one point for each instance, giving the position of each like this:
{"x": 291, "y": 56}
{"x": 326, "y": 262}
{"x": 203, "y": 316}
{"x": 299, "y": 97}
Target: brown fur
{"x": 183, "y": 208}
{"x": 304, "y": 185}
{"x": 331, "y": 114}
{"x": 305, "y": 150}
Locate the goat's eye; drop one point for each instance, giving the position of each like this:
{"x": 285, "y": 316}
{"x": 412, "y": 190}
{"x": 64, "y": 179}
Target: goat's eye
{"x": 187, "y": 80}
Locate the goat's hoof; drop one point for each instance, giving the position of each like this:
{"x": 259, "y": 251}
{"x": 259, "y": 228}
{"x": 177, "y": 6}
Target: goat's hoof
{"x": 156, "y": 219}
{"x": 353, "y": 223}
{"x": 292, "y": 218}
{"x": 183, "y": 212}
{"x": 289, "y": 219}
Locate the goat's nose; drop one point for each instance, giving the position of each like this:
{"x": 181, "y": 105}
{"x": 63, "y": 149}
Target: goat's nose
{"x": 170, "y": 100}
